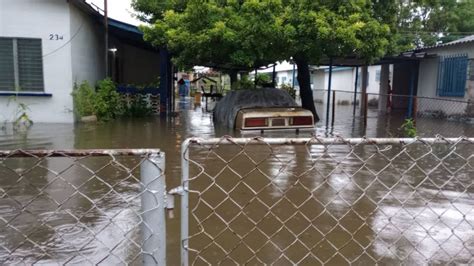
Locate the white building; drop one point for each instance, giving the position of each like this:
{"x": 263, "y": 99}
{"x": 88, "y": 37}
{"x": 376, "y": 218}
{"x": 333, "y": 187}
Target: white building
{"x": 48, "y": 45}
{"x": 447, "y": 73}
{"x": 343, "y": 80}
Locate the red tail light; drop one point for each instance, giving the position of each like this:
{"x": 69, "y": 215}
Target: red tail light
{"x": 255, "y": 122}
{"x": 302, "y": 121}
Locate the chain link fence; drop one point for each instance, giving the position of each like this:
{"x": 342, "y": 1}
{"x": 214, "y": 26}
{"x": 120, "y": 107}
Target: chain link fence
{"x": 83, "y": 207}
{"x": 387, "y": 112}
{"x": 328, "y": 201}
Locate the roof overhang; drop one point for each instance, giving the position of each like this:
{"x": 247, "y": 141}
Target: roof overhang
{"x": 125, "y": 32}
{"x": 397, "y": 59}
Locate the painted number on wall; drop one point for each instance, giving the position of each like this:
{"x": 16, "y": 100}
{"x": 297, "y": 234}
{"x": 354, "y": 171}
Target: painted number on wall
{"x": 56, "y": 37}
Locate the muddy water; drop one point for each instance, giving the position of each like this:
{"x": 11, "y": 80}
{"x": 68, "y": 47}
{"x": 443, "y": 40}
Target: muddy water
{"x": 50, "y": 219}
{"x": 310, "y": 205}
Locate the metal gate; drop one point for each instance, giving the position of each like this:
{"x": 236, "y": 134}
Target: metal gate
{"x": 82, "y": 207}
{"x": 327, "y": 201}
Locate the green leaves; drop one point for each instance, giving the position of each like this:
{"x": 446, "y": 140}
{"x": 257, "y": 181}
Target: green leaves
{"x": 428, "y": 22}
{"x": 244, "y": 34}
{"x": 105, "y": 103}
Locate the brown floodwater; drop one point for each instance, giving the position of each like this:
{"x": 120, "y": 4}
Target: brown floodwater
{"x": 361, "y": 216}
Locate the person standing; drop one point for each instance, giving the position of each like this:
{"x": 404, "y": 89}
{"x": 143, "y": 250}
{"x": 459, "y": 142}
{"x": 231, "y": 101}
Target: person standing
{"x": 181, "y": 88}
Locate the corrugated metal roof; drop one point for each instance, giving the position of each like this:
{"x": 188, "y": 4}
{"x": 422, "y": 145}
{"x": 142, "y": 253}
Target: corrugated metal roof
{"x": 464, "y": 40}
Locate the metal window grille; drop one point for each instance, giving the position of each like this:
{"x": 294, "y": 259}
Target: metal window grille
{"x": 21, "y": 64}
{"x": 327, "y": 201}
{"x": 7, "y": 74}
{"x": 452, "y": 76}
{"x": 30, "y": 65}
{"x": 86, "y": 207}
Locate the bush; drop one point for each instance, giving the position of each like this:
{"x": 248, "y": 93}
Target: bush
{"x": 373, "y": 102}
{"x": 107, "y": 103}
{"x": 138, "y": 107}
{"x": 83, "y": 98}
{"x": 409, "y": 128}
{"x": 343, "y": 102}
{"x": 243, "y": 84}
{"x": 291, "y": 91}
{"x": 263, "y": 80}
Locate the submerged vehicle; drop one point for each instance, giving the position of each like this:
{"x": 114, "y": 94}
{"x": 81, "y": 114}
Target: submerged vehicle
{"x": 262, "y": 109}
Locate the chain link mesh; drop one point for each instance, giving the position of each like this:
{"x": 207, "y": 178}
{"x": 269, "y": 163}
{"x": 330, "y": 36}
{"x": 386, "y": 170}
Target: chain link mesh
{"x": 72, "y": 207}
{"x": 329, "y": 201}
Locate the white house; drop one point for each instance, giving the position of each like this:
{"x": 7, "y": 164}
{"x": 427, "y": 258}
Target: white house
{"x": 46, "y": 46}
{"x": 447, "y": 74}
{"x": 343, "y": 80}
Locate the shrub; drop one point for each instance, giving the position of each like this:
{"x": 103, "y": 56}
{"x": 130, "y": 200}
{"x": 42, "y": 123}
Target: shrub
{"x": 374, "y": 102}
{"x": 343, "y": 102}
{"x": 263, "y": 80}
{"x": 291, "y": 91}
{"x": 83, "y": 97}
{"x": 243, "y": 84}
{"x": 22, "y": 119}
{"x": 107, "y": 103}
{"x": 138, "y": 107}
{"x": 409, "y": 128}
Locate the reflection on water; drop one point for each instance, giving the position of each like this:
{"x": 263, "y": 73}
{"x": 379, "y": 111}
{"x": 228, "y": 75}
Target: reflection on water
{"x": 261, "y": 205}
{"x": 74, "y": 206}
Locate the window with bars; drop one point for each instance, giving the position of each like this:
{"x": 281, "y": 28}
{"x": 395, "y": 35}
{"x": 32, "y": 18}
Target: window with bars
{"x": 21, "y": 64}
{"x": 452, "y": 76}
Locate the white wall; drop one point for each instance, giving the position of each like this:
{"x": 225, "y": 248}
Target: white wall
{"x": 428, "y": 81}
{"x": 39, "y": 19}
{"x": 343, "y": 79}
{"x": 87, "y": 48}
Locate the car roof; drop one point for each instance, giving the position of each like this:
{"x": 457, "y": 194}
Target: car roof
{"x": 227, "y": 108}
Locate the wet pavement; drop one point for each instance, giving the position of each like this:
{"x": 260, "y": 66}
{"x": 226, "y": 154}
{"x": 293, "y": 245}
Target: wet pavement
{"x": 167, "y": 134}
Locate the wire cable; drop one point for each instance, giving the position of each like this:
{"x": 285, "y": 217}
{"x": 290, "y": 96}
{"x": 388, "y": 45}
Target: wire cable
{"x": 68, "y": 42}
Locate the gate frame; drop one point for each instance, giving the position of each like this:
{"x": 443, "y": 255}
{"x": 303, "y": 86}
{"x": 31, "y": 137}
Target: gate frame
{"x": 228, "y": 140}
{"x": 152, "y": 181}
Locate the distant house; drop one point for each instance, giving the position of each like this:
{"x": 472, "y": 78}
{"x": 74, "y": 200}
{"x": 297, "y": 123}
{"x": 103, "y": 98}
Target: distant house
{"x": 343, "y": 80}
{"x": 448, "y": 73}
{"x": 46, "y": 46}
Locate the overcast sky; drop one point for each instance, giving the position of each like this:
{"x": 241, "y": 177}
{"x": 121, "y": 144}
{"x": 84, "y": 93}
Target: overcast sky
{"x": 118, "y": 9}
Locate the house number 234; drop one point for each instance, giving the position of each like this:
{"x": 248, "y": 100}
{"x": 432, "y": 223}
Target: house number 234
{"x": 56, "y": 37}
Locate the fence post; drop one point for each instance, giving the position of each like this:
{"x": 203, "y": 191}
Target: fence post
{"x": 366, "y": 106}
{"x": 415, "y": 108}
{"x": 153, "y": 202}
{"x": 329, "y": 91}
{"x": 185, "y": 202}
{"x": 333, "y": 107}
{"x": 355, "y": 91}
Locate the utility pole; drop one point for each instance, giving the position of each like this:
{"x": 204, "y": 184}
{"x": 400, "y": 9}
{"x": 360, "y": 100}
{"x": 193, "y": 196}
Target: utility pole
{"x": 106, "y": 39}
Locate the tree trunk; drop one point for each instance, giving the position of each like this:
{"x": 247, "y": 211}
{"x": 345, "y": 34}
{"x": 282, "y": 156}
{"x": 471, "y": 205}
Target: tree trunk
{"x": 233, "y": 77}
{"x": 306, "y": 93}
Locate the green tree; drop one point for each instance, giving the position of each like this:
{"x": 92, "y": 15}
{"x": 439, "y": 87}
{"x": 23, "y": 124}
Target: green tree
{"x": 236, "y": 35}
{"x": 321, "y": 29}
{"x": 428, "y": 22}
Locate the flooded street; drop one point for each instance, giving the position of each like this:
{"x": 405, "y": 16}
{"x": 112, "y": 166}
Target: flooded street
{"x": 373, "y": 220}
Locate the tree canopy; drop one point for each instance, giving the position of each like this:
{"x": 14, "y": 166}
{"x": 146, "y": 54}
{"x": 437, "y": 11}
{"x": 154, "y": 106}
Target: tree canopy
{"x": 235, "y": 35}
{"x": 250, "y": 33}
{"x": 428, "y": 22}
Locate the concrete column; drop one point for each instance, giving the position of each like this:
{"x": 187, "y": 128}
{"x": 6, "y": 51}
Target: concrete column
{"x": 383, "y": 91}
{"x": 364, "y": 83}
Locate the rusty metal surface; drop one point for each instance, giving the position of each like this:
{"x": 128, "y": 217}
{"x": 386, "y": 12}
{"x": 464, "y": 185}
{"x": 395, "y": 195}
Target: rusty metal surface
{"x": 327, "y": 141}
{"x": 76, "y": 153}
